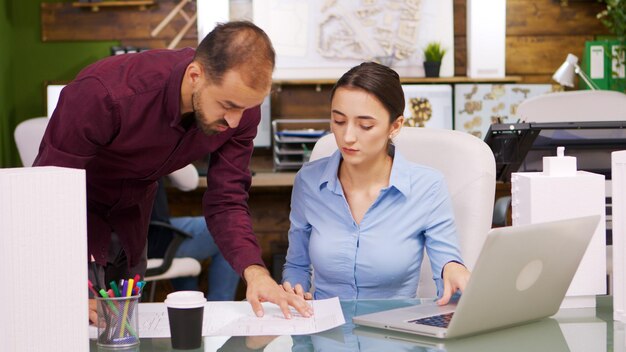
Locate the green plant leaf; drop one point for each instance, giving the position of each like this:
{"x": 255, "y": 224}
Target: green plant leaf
{"x": 433, "y": 52}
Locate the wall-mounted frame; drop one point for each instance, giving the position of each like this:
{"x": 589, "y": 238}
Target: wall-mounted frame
{"x": 322, "y": 39}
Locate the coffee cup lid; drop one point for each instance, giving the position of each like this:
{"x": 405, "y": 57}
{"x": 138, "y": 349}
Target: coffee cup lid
{"x": 185, "y": 299}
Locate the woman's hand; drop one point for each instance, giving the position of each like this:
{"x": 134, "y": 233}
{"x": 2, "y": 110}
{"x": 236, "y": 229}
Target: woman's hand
{"x": 455, "y": 277}
{"x": 298, "y": 290}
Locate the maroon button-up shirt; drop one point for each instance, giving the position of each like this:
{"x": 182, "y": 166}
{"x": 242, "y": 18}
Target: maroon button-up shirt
{"x": 120, "y": 121}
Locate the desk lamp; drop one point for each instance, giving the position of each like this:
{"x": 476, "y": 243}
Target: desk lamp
{"x": 565, "y": 74}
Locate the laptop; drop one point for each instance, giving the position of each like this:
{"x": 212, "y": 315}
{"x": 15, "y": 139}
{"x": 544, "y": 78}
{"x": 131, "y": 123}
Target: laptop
{"x": 542, "y": 335}
{"x": 521, "y": 275}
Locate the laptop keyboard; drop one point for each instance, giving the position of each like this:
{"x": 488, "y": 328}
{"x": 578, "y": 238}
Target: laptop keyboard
{"x": 440, "y": 321}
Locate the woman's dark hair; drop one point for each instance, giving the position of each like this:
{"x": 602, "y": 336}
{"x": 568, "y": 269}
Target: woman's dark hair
{"x": 378, "y": 80}
{"x": 237, "y": 45}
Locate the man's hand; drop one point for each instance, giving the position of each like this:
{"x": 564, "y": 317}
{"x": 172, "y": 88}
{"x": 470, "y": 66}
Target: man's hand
{"x": 455, "y": 277}
{"x": 298, "y": 290}
{"x": 262, "y": 288}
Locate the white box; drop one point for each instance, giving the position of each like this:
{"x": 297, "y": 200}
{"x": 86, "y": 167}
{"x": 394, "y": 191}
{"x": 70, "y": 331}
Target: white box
{"x": 618, "y": 220}
{"x": 43, "y": 260}
{"x": 537, "y": 197}
{"x": 486, "y": 38}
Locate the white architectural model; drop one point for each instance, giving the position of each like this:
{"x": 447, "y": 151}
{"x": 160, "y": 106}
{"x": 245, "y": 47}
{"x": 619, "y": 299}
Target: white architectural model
{"x": 618, "y": 186}
{"x": 561, "y": 192}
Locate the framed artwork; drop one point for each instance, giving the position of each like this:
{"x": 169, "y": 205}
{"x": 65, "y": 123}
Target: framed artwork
{"x": 477, "y": 106}
{"x": 317, "y": 39}
{"x": 428, "y": 105}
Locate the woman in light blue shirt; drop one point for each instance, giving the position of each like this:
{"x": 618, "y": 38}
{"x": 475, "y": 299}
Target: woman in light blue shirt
{"x": 361, "y": 218}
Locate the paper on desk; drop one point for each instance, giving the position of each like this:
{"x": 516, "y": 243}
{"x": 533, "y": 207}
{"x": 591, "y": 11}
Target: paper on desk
{"x": 237, "y": 319}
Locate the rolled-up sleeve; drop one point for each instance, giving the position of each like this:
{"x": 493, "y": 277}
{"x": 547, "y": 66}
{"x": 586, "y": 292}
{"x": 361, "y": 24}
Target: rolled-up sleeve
{"x": 297, "y": 268}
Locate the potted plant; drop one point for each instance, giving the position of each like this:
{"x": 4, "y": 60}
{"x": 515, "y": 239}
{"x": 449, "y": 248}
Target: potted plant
{"x": 433, "y": 54}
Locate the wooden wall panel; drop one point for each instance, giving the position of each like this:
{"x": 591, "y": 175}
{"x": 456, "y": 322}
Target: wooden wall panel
{"x": 62, "y": 21}
{"x": 301, "y": 101}
{"x": 528, "y": 55}
{"x": 540, "y": 17}
{"x": 539, "y": 35}
{"x": 547, "y": 17}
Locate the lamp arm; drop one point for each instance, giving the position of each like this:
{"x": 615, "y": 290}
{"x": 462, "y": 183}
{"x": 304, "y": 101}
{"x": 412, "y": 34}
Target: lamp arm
{"x": 587, "y": 80}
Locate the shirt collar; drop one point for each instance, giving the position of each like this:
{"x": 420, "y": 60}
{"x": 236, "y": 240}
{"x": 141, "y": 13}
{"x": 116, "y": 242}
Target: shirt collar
{"x": 399, "y": 179}
{"x": 172, "y": 90}
{"x": 329, "y": 176}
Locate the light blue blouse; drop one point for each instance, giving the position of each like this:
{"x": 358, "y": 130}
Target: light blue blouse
{"x": 380, "y": 257}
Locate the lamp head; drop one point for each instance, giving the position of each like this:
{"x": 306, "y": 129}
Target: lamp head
{"x": 565, "y": 74}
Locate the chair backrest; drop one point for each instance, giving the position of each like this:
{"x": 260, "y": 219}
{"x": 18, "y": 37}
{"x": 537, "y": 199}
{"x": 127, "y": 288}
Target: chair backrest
{"x": 582, "y": 105}
{"x": 469, "y": 168}
{"x": 28, "y": 135}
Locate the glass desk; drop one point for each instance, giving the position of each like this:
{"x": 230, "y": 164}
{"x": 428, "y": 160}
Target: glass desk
{"x": 585, "y": 330}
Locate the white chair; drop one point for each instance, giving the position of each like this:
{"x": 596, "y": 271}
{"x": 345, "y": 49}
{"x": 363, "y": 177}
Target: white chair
{"x": 578, "y": 106}
{"x": 581, "y": 105}
{"x": 28, "y": 135}
{"x": 469, "y": 168}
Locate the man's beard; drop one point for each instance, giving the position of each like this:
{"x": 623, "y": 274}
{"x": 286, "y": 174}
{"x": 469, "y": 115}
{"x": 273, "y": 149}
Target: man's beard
{"x": 207, "y": 128}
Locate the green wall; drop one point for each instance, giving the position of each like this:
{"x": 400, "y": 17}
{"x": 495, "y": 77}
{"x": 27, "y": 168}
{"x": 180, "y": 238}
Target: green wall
{"x": 27, "y": 63}
{"x": 7, "y": 107}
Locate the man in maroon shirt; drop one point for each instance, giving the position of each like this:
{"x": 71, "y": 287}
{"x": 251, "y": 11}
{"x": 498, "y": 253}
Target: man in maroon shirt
{"x": 130, "y": 119}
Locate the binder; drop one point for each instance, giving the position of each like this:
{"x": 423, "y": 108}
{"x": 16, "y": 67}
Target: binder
{"x": 604, "y": 63}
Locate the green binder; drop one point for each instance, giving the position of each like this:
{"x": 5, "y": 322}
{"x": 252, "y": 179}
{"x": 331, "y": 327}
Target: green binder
{"x": 603, "y": 62}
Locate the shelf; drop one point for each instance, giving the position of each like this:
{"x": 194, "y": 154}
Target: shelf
{"x": 437, "y": 80}
{"x": 95, "y": 6}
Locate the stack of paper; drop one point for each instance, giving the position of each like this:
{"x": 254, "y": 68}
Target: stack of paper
{"x": 43, "y": 259}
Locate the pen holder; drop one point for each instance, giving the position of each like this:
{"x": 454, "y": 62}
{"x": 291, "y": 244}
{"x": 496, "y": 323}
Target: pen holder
{"x": 118, "y": 321}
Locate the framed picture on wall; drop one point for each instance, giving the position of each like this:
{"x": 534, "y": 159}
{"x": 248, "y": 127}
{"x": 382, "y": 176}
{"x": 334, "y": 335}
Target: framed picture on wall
{"x": 477, "y": 106}
{"x": 428, "y": 105}
{"x": 320, "y": 39}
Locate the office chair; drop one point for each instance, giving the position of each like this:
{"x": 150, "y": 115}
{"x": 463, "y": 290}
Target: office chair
{"x": 28, "y": 135}
{"x": 501, "y": 210}
{"x": 469, "y": 168}
{"x": 577, "y": 106}
{"x": 170, "y": 267}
